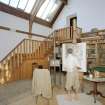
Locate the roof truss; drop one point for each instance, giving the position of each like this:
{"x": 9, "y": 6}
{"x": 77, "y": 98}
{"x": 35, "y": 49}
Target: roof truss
{"x": 32, "y": 16}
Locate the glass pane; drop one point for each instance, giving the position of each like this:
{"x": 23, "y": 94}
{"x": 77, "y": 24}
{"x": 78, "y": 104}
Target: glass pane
{"x": 53, "y": 11}
{"x": 14, "y": 3}
{"x": 30, "y": 6}
{"x": 5, "y": 1}
{"x": 43, "y": 8}
{"x": 22, "y": 4}
{"x": 48, "y": 11}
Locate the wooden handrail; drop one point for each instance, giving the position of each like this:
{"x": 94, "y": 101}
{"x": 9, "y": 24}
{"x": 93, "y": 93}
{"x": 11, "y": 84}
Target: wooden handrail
{"x": 87, "y": 33}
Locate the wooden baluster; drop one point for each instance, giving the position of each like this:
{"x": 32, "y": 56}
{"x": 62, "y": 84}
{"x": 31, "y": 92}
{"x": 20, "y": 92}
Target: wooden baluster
{"x": 43, "y": 48}
{"x": 29, "y": 48}
{"x": 9, "y": 68}
{"x": 68, "y": 33}
{"x": 26, "y": 49}
{"x": 59, "y": 33}
{"x": 65, "y": 33}
{"x": 24, "y": 52}
{"x": 14, "y": 60}
{"x": 2, "y": 79}
{"x": 62, "y": 35}
{"x": 39, "y": 49}
{"x": 32, "y": 49}
{"x": 6, "y": 71}
{"x": 35, "y": 49}
{"x": 25, "y": 57}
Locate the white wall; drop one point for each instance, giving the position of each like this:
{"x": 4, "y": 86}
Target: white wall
{"x": 90, "y": 14}
{"x": 9, "y": 39}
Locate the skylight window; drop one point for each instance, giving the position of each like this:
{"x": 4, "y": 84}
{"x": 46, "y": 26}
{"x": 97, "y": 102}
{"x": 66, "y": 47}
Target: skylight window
{"x": 14, "y": 3}
{"x": 48, "y": 9}
{"x": 43, "y": 8}
{"x": 5, "y": 1}
{"x": 30, "y": 6}
{"x": 22, "y": 4}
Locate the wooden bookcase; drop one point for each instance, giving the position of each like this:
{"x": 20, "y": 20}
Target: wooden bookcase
{"x": 91, "y": 52}
{"x": 96, "y": 52}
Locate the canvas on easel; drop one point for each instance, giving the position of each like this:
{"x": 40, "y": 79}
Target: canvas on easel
{"x": 79, "y": 50}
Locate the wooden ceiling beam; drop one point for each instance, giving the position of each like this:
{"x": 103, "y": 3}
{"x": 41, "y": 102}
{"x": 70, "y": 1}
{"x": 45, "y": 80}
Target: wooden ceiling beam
{"x": 57, "y": 14}
{"x": 33, "y": 13}
{"x": 22, "y": 14}
{"x": 64, "y": 1}
{"x": 21, "y": 31}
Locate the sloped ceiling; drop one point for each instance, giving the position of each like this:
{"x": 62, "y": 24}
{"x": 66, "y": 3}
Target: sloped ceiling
{"x": 44, "y": 12}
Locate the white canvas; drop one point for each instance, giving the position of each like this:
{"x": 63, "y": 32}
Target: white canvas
{"x": 79, "y": 50}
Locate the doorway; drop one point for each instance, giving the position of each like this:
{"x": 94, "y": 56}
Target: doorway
{"x": 73, "y": 25}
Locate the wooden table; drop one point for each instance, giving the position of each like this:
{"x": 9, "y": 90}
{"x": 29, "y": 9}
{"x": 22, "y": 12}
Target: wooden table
{"x": 95, "y": 82}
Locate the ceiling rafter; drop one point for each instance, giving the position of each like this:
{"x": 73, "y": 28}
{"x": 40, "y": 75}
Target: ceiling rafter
{"x": 26, "y": 5}
{"x": 9, "y": 2}
{"x": 57, "y": 14}
{"x": 64, "y": 1}
{"x": 33, "y": 13}
{"x": 20, "y": 13}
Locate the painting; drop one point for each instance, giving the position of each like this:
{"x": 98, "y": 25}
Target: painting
{"x": 79, "y": 50}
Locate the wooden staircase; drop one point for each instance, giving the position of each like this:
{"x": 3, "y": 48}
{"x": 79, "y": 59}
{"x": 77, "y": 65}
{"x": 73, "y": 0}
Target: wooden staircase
{"x": 28, "y": 54}
{"x": 17, "y": 64}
